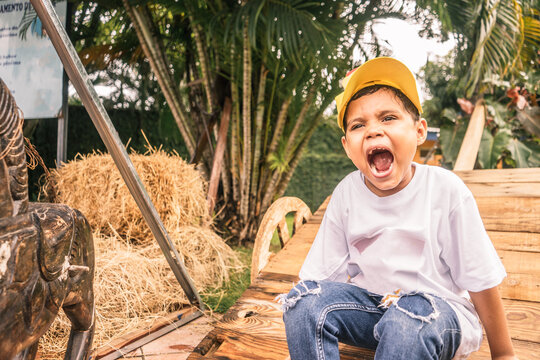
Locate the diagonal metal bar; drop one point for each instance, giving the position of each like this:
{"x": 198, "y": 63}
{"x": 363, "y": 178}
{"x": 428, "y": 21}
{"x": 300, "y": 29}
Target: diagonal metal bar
{"x": 79, "y": 78}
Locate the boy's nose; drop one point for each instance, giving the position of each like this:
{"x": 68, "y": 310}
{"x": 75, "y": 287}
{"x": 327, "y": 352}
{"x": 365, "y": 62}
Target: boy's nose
{"x": 374, "y": 131}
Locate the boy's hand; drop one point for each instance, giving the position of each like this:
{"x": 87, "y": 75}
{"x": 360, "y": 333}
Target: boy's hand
{"x": 489, "y": 307}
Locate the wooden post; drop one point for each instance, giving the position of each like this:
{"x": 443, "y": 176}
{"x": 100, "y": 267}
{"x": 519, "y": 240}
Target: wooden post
{"x": 471, "y": 141}
{"x": 218, "y": 155}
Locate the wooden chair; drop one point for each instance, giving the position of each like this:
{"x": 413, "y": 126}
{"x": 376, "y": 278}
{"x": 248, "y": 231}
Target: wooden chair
{"x": 275, "y": 218}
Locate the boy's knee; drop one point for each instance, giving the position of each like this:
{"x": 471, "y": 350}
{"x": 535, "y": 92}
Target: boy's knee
{"x": 418, "y": 321}
{"x": 304, "y": 289}
{"x": 407, "y": 316}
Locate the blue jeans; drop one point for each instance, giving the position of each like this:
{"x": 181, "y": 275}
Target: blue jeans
{"x": 318, "y": 315}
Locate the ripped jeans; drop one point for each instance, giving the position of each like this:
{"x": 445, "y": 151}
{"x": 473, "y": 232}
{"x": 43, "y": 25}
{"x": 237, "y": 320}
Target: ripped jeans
{"x": 318, "y": 315}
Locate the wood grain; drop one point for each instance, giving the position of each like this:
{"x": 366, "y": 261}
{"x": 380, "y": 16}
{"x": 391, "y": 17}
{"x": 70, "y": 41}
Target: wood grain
{"x": 521, "y": 287}
{"x": 520, "y": 241}
{"x": 525, "y": 175}
{"x": 497, "y": 189}
{"x": 510, "y": 213}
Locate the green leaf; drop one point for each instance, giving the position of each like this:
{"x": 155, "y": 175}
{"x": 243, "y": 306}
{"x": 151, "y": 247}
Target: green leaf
{"x": 530, "y": 119}
{"x": 451, "y": 138}
{"x": 450, "y": 114}
{"x": 498, "y": 111}
{"x": 520, "y": 153}
{"x": 492, "y": 147}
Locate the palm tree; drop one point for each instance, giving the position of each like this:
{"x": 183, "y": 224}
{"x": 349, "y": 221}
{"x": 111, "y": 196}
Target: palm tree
{"x": 279, "y": 61}
{"x": 498, "y": 42}
{"x": 494, "y": 37}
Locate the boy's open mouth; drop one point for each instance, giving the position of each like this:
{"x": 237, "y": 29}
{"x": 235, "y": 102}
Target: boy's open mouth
{"x": 380, "y": 161}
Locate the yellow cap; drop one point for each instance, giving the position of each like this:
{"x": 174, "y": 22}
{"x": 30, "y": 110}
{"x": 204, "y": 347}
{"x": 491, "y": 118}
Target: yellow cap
{"x": 378, "y": 71}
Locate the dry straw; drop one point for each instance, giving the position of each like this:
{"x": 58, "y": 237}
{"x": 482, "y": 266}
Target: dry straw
{"x": 134, "y": 287}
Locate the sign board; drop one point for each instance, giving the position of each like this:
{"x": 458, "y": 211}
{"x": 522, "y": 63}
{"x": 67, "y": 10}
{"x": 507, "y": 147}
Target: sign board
{"x": 29, "y": 64}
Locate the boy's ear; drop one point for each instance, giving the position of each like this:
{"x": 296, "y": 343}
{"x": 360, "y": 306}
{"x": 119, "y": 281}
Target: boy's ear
{"x": 344, "y": 143}
{"x": 421, "y": 131}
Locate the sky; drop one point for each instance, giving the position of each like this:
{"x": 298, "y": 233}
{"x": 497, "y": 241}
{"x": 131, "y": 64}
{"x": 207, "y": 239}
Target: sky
{"x": 408, "y": 47}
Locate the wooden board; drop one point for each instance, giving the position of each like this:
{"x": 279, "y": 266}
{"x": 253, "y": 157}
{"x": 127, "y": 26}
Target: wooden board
{"x": 510, "y": 213}
{"x": 521, "y": 287}
{"x": 520, "y": 241}
{"x": 523, "y": 319}
{"x": 492, "y": 189}
{"x": 524, "y": 351}
{"x": 525, "y": 175}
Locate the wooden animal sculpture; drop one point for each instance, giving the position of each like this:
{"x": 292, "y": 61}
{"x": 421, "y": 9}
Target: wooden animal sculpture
{"x": 46, "y": 256}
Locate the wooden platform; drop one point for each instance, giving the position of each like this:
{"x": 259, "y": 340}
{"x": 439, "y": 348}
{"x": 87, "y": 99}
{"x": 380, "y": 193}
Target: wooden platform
{"x": 509, "y": 202}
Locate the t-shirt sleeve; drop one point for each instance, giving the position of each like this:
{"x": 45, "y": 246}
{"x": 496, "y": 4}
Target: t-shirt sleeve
{"x": 328, "y": 256}
{"x": 469, "y": 252}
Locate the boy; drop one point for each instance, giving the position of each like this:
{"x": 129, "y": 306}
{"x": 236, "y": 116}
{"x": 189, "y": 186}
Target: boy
{"x": 401, "y": 250}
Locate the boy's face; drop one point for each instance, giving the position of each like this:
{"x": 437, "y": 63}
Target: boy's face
{"x": 381, "y": 139}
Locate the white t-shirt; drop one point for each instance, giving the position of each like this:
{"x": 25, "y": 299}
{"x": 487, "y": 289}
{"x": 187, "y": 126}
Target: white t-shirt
{"x": 428, "y": 237}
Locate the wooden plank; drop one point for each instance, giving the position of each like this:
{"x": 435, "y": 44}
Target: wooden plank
{"x": 237, "y": 345}
{"x": 521, "y": 287}
{"x": 510, "y": 213}
{"x": 520, "y": 241}
{"x": 289, "y": 259}
{"x": 520, "y": 262}
{"x": 492, "y": 189}
{"x": 523, "y": 280}
{"x": 523, "y": 319}
{"x": 471, "y": 141}
{"x": 524, "y": 350}
{"x": 218, "y": 155}
{"x": 524, "y": 175}
{"x": 137, "y": 334}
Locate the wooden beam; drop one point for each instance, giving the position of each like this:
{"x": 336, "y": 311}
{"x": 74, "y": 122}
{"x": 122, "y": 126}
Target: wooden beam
{"x": 523, "y": 175}
{"x": 218, "y": 155}
{"x": 510, "y": 213}
{"x": 471, "y": 142}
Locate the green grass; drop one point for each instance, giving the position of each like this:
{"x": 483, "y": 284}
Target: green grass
{"x": 221, "y": 299}
{"x": 275, "y": 245}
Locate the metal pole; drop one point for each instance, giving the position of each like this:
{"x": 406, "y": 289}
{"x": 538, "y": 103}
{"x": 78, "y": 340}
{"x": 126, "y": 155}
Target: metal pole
{"x": 62, "y": 132}
{"x": 79, "y": 78}
{"x": 63, "y": 116}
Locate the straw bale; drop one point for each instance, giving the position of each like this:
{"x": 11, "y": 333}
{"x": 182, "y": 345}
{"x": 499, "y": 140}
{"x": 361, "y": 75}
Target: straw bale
{"x": 134, "y": 286}
{"x": 92, "y": 184}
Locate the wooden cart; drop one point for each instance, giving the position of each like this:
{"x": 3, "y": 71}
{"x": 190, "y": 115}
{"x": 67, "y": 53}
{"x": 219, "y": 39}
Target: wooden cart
{"x": 509, "y": 203}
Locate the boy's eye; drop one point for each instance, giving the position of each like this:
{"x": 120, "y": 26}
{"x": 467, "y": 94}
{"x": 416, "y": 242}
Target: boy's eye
{"x": 356, "y": 126}
{"x": 388, "y": 118}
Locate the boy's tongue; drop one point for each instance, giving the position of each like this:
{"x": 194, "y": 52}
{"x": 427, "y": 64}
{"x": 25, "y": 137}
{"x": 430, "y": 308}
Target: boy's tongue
{"x": 382, "y": 160}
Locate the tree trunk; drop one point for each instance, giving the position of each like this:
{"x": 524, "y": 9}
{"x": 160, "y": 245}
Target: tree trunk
{"x": 154, "y": 51}
{"x": 296, "y": 157}
{"x": 289, "y": 147}
{"x": 235, "y": 123}
{"x": 203, "y": 59}
{"x": 258, "y": 132}
{"x": 246, "y": 119}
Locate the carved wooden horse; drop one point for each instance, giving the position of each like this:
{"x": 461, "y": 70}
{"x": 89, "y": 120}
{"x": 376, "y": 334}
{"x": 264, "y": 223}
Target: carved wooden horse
{"x": 46, "y": 256}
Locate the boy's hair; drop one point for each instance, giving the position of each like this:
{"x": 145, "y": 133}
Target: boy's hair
{"x": 405, "y": 101}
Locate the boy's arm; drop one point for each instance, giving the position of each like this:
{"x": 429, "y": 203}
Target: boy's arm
{"x": 489, "y": 306}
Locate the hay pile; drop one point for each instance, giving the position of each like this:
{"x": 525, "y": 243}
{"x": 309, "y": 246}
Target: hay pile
{"x": 133, "y": 284}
